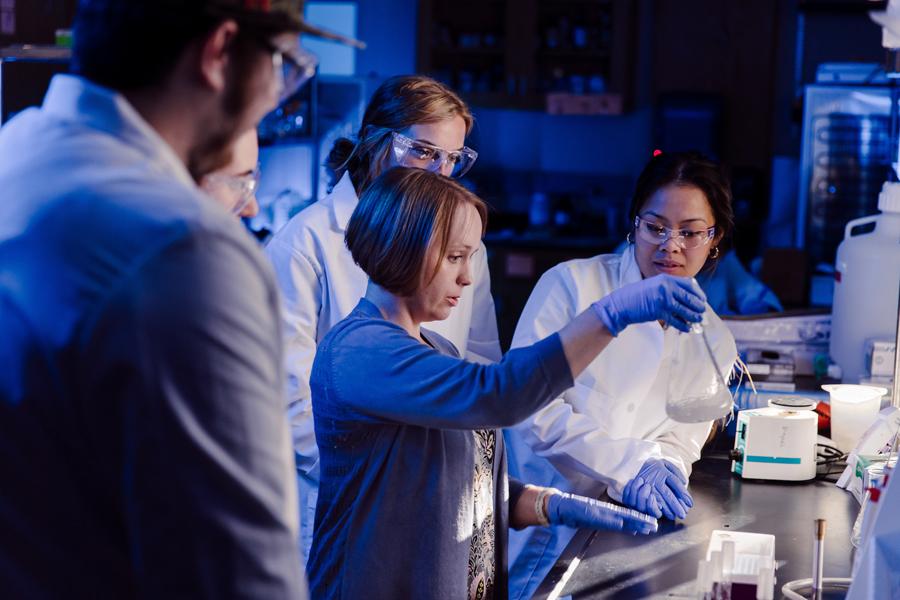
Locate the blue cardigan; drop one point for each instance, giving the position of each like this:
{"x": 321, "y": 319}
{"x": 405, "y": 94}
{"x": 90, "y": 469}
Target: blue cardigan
{"x": 394, "y": 421}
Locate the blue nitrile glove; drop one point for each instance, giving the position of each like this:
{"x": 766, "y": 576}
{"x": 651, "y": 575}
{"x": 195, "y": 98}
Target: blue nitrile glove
{"x": 678, "y": 301}
{"x": 659, "y": 488}
{"x": 580, "y": 511}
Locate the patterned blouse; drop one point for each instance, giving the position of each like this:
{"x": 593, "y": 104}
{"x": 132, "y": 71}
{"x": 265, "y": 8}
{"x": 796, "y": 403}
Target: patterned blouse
{"x": 482, "y": 555}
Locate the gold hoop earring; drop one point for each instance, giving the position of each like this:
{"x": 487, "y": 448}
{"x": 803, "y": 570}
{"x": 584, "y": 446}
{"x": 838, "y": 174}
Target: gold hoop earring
{"x": 629, "y": 237}
{"x": 714, "y": 253}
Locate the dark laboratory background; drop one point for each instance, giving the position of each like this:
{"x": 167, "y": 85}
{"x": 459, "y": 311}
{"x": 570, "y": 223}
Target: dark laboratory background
{"x": 571, "y": 97}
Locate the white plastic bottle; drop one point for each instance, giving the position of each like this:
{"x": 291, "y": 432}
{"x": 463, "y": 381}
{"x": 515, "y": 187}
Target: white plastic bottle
{"x": 867, "y": 280}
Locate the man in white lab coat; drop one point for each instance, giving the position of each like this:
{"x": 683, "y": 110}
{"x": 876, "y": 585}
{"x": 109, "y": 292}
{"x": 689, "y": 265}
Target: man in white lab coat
{"x": 412, "y": 121}
{"x": 610, "y": 433}
{"x": 143, "y": 446}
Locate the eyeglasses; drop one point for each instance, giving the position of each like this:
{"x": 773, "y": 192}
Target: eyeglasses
{"x": 294, "y": 65}
{"x": 654, "y": 233}
{"x": 421, "y": 155}
{"x": 243, "y": 187}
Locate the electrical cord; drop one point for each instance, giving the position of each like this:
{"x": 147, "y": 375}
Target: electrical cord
{"x": 831, "y": 459}
{"x": 831, "y": 475}
{"x": 831, "y": 462}
{"x": 830, "y": 450}
{"x": 828, "y": 584}
{"x": 829, "y": 455}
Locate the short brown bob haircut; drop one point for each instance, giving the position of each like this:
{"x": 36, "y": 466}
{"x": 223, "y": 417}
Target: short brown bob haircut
{"x": 399, "y": 216}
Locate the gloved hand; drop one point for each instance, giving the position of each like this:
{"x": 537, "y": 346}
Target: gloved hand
{"x": 579, "y": 511}
{"x": 678, "y": 301}
{"x": 659, "y": 488}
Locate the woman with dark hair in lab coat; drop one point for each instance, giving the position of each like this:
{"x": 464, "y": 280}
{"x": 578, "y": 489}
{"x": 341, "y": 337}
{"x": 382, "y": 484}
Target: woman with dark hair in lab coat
{"x": 414, "y": 501}
{"x": 610, "y": 432}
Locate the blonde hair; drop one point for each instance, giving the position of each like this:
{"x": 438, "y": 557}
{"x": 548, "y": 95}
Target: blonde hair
{"x": 398, "y": 103}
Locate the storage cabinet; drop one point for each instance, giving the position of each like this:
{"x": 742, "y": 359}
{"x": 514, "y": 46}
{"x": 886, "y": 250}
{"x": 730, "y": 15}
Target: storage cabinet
{"x": 564, "y": 56}
{"x": 25, "y": 74}
{"x": 295, "y": 141}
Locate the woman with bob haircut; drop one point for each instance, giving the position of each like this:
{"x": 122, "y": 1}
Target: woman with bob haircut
{"x": 610, "y": 431}
{"x": 414, "y": 499}
{"x": 412, "y": 121}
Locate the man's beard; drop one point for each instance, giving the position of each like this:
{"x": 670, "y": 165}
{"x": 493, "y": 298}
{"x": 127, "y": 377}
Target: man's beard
{"x": 214, "y": 150}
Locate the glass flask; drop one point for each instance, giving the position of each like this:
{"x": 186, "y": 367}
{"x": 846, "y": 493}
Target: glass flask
{"x": 697, "y": 390}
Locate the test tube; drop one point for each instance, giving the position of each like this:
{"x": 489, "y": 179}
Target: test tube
{"x": 727, "y": 568}
{"x": 703, "y": 591}
{"x": 765, "y": 583}
{"x": 715, "y": 572}
{"x": 727, "y": 559}
{"x": 818, "y": 559}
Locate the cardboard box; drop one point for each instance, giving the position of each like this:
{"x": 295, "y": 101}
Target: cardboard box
{"x": 562, "y": 103}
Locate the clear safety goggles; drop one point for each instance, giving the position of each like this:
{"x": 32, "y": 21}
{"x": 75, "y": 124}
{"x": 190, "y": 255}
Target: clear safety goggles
{"x": 654, "y": 233}
{"x": 421, "y": 155}
{"x": 293, "y": 65}
{"x": 242, "y": 187}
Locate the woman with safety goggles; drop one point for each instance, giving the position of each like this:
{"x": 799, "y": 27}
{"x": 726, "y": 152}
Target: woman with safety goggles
{"x": 234, "y": 185}
{"x": 610, "y": 432}
{"x": 411, "y": 121}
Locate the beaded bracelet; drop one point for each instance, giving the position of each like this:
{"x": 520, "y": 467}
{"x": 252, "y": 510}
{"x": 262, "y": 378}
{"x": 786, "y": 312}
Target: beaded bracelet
{"x": 539, "y": 512}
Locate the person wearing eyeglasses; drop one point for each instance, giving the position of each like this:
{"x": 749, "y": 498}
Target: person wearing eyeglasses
{"x": 412, "y": 121}
{"x": 610, "y": 432}
{"x": 234, "y": 185}
{"x": 415, "y": 501}
{"x": 144, "y": 449}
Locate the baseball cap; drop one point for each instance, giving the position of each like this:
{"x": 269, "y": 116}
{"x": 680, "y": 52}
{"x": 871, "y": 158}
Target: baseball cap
{"x": 274, "y": 14}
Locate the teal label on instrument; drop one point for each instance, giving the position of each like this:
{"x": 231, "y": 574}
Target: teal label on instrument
{"x": 773, "y": 459}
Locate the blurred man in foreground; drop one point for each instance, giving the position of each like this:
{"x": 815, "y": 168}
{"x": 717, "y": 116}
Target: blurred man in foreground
{"x": 144, "y": 449}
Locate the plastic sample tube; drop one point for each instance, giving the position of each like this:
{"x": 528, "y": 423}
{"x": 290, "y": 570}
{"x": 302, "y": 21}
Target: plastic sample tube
{"x": 818, "y": 558}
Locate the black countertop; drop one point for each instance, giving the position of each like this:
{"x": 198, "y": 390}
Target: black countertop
{"x": 665, "y": 565}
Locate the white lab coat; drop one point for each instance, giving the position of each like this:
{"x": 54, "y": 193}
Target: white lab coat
{"x": 596, "y": 436}
{"x": 320, "y": 285}
{"x": 144, "y": 450}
